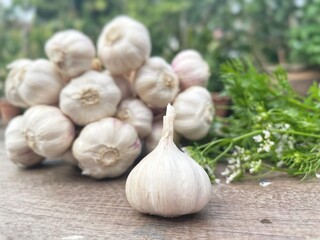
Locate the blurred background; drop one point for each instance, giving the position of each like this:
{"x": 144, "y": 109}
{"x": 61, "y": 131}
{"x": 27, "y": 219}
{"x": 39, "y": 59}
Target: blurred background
{"x": 268, "y": 31}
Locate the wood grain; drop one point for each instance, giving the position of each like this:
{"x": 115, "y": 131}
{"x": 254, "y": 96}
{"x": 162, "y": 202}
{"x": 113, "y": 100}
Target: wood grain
{"x": 54, "y": 201}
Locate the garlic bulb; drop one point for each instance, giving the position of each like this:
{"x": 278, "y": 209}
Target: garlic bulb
{"x": 191, "y": 69}
{"x": 90, "y": 97}
{"x": 156, "y": 83}
{"x": 16, "y": 145}
{"x": 38, "y": 82}
{"x": 167, "y": 182}
{"x": 48, "y": 132}
{"x": 155, "y": 135}
{"x": 15, "y": 77}
{"x": 136, "y": 113}
{"x": 124, "y": 85}
{"x": 124, "y": 45}
{"x": 106, "y": 148}
{"x": 194, "y": 113}
{"x": 71, "y": 51}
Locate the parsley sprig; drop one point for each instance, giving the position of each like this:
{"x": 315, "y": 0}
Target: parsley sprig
{"x": 271, "y": 127}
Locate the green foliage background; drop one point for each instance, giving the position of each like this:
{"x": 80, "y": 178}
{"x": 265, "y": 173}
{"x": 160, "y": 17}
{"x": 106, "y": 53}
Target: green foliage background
{"x": 269, "y": 31}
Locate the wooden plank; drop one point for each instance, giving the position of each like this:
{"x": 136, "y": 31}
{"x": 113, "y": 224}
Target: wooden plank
{"x": 55, "y": 202}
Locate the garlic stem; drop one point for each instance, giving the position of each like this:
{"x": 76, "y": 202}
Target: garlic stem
{"x": 168, "y": 120}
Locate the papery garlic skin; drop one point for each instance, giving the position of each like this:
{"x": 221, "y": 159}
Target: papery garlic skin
{"x": 71, "y": 51}
{"x": 123, "y": 45}
{"x": 135, "y": 112}
{"x": 106, "y": 148}
{"x": 41, "y": 83}
{"x": 47, "y": 130}
{"x": 191, "y": 69}
{"x": 16, "y": 145}
{"x": 13, "y": 81}
{"x": 167, "y": 182}
{"x": 152, "y": 140}
{"x": 90, "y": 97}
{"x": 156, "y": 83}
{"x": 194, "y": 113}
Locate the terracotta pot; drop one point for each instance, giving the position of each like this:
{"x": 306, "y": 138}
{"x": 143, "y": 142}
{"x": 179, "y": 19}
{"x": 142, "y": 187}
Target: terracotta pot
{"x": 221, "y": 104}
{"x": 8, "y": 111}
{"x": 300, "y": 77}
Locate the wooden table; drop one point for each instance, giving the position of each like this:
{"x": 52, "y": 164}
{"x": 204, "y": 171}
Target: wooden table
{"x": 55, "y": 202}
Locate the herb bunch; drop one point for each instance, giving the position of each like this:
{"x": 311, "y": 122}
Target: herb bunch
{"x": 271, "y": 128}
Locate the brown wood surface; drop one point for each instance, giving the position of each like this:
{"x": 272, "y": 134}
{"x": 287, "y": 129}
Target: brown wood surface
{"x": 55, "y": 202}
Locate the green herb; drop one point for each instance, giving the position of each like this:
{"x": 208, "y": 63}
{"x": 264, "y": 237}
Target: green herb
{"x": 271, "y": 128}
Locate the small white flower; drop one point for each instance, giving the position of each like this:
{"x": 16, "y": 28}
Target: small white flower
{"x": 318, "y": 175}
{"x": 280, "y": 163}
{"x": 217, "y": 181}
{"x": 258, "y": 138}
{"x": 286, "y": 126}
{"x": 226, "y": 172}
{"x": 246, "y": 158}
{"x": 266, "y": 134}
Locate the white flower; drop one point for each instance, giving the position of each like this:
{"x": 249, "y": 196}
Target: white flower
{"x": 233, "y": 176}
{"x": 226, "y": 172}
{"x": 258, "y": 138}
{"x": 266, "y": 134}
{"x": 286, "y": 126}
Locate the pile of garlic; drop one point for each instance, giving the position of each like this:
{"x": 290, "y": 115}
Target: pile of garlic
{"x": 103, "y": 119}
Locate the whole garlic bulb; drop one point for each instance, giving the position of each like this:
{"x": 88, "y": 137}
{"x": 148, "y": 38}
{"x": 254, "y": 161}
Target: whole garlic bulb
{"x": 191, "y": 69}
{"x": 48, "y": 132}
{"x": 136, "y": 113}
{"x": 167, "y": 182}
{"x": 156, "y": 83}
{"x": 16, "y": 145}
{"x": 33, "y": 82}
{"x": 123, "y": 45}
{"x": 71, "y": 51}
{"x": 15, "y": 77}
{"x": 194, "y": 113}
{"x": 90, "y": 97}
{"x": 106, "y": 148}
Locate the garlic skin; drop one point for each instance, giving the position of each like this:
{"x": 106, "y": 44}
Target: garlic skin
{"x": 194, "y": 113}
{"x": 47, "y": 130}
{"x": 123, "y": 45}
{"x": 152, "y": 140}
{"x": 191, "y": 69}
{"x": 71, "y": 51}
{"x": 135, "y": 112}
{"x": 90, "y": 97}
{"x": 16, "y": 145}
{"x": 167, "y": 182}
{"x": 106, "y": 148}
{"x": 156, "y": 83}
{"x": 13, "y": 81}
{"x": 40, "y": 83}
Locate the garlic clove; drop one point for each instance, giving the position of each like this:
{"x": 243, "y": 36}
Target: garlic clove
{"x": 136, "y": 113}
{"x": 106, "y": 148}
{"x": 123, "y": 45}
{"x": 194, "y": 113}
{"x": 13, "y": 82}
{"x": 191, "y": 69}
{"x": 16, "y": 145}
{"x": 167, "y": 182}
{"x": 90, "y": 97}
{"x": 156, "y": 83}
{"x": 47, "y": 130}
{"x": 41, "y": 83}
{"x": 71, "y": 51}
